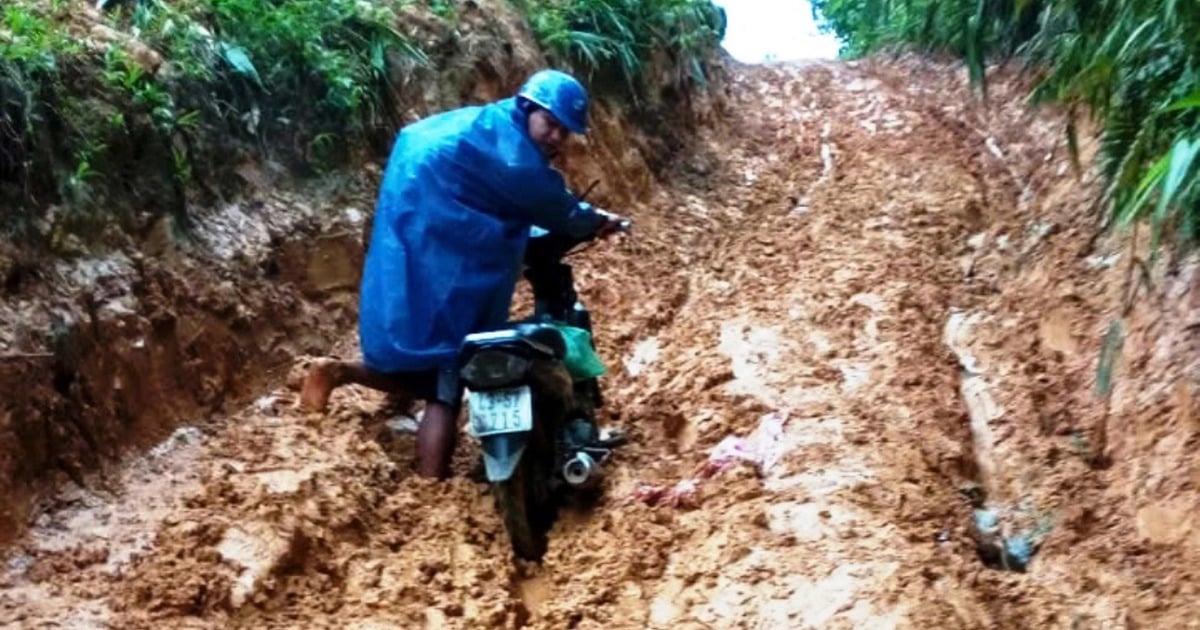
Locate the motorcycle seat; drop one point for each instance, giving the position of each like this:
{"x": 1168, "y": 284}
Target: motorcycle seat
{"x": 538, "y": 337}
{"x": 546, "y": 335}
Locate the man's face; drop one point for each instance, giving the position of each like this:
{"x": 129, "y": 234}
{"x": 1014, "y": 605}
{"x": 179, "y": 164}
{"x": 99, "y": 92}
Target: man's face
{"x": 546, "y": 132}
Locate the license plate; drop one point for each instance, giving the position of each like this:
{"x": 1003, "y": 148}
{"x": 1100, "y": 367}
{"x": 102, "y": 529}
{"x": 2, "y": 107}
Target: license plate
{"x": 501, "y": 411}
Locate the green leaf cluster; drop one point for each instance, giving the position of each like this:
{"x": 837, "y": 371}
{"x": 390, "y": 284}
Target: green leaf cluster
{"x": 616, "y": 40}
{"x": 1133, "y": 63}
{"x": 86, "y": 108}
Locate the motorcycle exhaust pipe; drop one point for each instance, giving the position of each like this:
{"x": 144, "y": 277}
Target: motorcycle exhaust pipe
{"x": 581, "y": 471}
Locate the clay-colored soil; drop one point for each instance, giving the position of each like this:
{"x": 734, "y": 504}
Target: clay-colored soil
{"x": 801, "y": 281}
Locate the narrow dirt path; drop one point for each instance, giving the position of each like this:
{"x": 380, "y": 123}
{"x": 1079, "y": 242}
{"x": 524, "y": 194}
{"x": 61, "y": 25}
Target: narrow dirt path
{"x": 826, "y": 309}
{"x": 791, "y": 290}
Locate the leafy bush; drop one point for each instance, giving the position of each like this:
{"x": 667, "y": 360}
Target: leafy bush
{"x": 127, "y": 120}
{"x": 614, "y": 40}
{"x": 1134, "y": 63}
{"x": 93, "y": 122}
{"x": 966, "y": 28}
{"x": 333, "y": 50}
{"x": 30, "y": 47}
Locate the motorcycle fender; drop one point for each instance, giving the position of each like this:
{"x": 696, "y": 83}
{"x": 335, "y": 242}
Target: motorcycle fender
{"x": 501, "y": 454}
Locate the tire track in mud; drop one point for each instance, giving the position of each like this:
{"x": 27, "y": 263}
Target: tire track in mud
{"x": 797, "y": 299}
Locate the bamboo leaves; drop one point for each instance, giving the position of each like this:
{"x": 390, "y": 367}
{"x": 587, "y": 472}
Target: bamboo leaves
{"x": 616, "y": 38}
{"x": 1135, "y": 65}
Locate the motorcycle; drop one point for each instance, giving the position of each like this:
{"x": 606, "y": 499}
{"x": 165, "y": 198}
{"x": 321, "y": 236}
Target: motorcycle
{"x": 535, "y": 422}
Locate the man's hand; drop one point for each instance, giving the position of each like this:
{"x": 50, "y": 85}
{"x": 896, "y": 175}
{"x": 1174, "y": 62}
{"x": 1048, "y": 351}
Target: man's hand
{"x": 612, "y": 224}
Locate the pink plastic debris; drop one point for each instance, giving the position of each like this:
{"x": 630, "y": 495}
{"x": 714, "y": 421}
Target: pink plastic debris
{"x": 762, "y": 448}
{"x": 648, "y": 493}
{"x": 727, "y": 453}
{"x": 682, "y": 494}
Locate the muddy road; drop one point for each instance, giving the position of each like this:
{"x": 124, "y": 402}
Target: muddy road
{"x": 790, "y": 287}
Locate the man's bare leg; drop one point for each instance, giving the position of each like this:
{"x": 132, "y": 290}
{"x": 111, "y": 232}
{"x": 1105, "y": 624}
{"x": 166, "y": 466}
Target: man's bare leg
{"x": 327, "y": 376}
{"x": 436, "y": 438}
{"x": 437, "y": 433}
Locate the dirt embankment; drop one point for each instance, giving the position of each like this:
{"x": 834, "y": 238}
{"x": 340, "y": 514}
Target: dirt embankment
{"x": 1106, "y": 481}
{"x": 106, "y": 352}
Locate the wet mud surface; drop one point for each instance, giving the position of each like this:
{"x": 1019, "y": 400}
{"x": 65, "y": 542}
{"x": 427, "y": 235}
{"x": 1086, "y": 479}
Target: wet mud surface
{"x": 103, "y": 355}
{"x": 792, "y": 286}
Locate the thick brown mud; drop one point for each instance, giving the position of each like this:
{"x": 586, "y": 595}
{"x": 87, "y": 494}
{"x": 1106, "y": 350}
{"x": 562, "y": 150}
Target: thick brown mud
{"x": 853, "y": 275}
{"x": 104, "y": 355}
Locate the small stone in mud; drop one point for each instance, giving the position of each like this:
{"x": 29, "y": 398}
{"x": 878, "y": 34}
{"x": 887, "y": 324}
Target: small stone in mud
{"x": 85, "y": 556}
{"x": 432, "y": 567}
{"x": 188, "y": 528}
{"x": 750, "y": 491}
{"x": 497, "y": 616}
{"x": 737, "y": 553}
{"x": 858, "y": 438}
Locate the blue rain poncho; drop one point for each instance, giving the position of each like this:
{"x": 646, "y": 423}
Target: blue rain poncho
{"x": 461, "y": 191}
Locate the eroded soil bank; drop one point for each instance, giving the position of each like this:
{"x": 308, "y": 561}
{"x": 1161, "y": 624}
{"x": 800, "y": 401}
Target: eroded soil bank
{"x": 891, "y": 291}
{"x": 104, "y": 352}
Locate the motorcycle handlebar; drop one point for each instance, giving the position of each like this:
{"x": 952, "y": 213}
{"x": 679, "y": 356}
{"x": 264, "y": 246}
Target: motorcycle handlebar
{"x": 613, "y": 223}
{"x": 551, "y": 248}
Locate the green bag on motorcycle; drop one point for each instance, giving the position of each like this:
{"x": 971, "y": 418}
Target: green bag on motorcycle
{"x": 582, "y": 361}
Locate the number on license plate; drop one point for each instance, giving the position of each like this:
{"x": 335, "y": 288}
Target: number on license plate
{"x": 501, "y": 411}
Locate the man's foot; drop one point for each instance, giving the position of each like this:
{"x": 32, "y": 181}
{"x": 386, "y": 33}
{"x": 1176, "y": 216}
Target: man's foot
{"x": 318, "y": 387}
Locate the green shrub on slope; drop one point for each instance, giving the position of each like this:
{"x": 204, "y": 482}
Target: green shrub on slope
{"x": 94, "y": 116}
{"x": 613, "y": 41}
{"x": 1134, "y": 63}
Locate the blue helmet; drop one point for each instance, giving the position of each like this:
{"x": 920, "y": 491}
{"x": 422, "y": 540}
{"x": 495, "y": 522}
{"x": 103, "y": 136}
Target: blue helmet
{"x": 561, "y": 94}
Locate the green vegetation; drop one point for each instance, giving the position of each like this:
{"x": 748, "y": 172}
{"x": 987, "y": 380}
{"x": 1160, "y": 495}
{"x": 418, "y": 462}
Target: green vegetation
{"x": 1134, "y": 63}
{"x": 613, "y": 41}
{"x": 121, "y": 117}
{"x": 95, "y": 115}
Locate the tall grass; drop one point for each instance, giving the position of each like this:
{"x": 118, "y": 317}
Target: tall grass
{"x": 1134, "y": 63}
{"x": 334, "y": 51}
{"x": 88, "y": 124}
{"x": 125, "y": 127}
{"x": 616, "y": 40}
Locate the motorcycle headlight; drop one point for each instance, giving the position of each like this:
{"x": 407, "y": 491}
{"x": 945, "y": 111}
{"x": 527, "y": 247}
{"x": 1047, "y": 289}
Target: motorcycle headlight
{"x": 492, "y": 368}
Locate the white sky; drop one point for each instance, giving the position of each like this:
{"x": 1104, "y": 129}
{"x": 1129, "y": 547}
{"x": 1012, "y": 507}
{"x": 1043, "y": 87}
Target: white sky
{"x": 780, "y": 30}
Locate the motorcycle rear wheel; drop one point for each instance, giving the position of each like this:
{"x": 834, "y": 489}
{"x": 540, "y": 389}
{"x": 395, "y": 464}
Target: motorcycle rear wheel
{"x": 526, "y": 509}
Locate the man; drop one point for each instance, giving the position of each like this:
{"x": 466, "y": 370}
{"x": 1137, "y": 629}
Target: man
{"x": 460, "y": 194}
